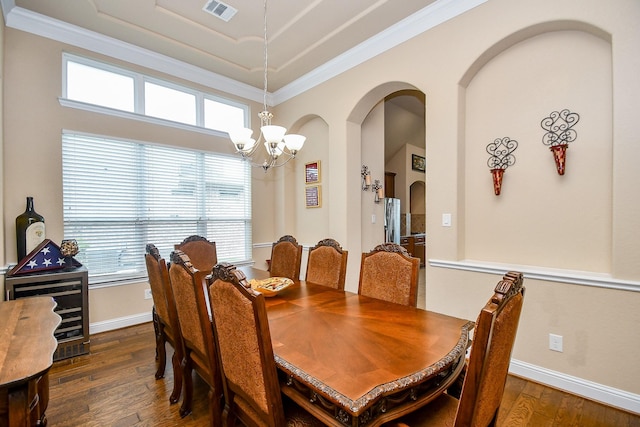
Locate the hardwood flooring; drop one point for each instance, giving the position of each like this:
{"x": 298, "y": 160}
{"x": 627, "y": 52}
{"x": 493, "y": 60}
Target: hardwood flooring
{"x": 115, "y": 386}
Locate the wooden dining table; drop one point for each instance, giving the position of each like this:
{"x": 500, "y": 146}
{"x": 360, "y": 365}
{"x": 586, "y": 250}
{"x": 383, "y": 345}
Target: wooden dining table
{"x": 352, "y": 360}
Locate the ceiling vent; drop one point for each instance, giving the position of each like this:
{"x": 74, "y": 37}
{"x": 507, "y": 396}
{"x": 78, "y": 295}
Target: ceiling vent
{"x": 220, "y": 9}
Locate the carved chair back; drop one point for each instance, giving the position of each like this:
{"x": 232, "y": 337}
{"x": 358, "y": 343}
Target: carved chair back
{"x": 201, "y": 252}
{"x": 327, "y": 264}
{"x": 165, "y": 318}
{"x": 252, "y": 390}
{"x": 286, "y": 258}
{"x": 389, "y": 273}
{"x": 190, "y": 291}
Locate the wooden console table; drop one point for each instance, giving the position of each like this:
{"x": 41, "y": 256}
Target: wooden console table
{"x": 27, "y": 345}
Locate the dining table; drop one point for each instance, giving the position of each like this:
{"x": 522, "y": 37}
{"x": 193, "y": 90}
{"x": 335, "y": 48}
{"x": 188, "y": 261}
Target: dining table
{"x": 352, "y": 360}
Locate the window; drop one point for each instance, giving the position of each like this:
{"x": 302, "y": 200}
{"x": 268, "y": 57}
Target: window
{"x": 92, "y": 83}
{"x": 119, "y": 195}
{"x": 170, "y": 104}
{"x": 100, "y": 87}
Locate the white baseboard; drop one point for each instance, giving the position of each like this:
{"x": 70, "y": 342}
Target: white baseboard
{"x": 594, "y": 391}
{"x": 119, "y": 322}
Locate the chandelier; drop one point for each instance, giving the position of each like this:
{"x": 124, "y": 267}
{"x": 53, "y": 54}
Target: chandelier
{"x": 280, "y": 148}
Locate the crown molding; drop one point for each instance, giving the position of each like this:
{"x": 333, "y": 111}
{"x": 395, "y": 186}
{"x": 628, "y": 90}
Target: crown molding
{"x": 438, "y": 12}
{"x": 429, "y": 17}
{"x": 54, "y": 29}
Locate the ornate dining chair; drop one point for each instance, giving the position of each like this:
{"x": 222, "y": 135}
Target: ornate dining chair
{"x": 389, "y": 273}
{"x": 201, "y": 252}
{"x": 488, "y": 366}
{"x": 189, "y": 289}
{"x": 286, "y": 257}
{"x": 251, "y": 385}
{"x": 165, "y": 318}
{"x": 327, "y": 264}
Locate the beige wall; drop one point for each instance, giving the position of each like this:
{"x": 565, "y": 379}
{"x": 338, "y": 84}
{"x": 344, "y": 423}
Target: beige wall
{"x": 457, "y": 65}
{"x": 497, "y": 71}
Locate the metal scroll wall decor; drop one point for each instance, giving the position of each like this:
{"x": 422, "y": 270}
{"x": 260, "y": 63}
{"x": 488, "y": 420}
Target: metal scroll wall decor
{"x": 560, "y": 132}
{"x": 501, "y": 157}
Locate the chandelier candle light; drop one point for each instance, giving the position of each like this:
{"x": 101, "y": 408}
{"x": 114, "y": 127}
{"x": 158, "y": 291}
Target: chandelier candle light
{"x": 273, "y": 137}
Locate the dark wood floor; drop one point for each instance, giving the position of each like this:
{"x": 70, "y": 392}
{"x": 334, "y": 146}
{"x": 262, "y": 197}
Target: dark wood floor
{"x": 115, "y": 386}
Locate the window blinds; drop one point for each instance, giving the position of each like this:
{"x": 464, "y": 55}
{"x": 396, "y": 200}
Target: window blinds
{"x": 120, "y": 195}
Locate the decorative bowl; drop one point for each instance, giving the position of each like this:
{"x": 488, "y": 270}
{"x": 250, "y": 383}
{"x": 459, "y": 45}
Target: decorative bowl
{"x": 271, "y": 286}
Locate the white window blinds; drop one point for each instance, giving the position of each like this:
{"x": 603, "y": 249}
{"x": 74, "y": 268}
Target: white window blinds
{"x": 120, "y": 195}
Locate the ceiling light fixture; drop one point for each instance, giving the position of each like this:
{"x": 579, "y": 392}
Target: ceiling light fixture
{"x": 277, "y": 144}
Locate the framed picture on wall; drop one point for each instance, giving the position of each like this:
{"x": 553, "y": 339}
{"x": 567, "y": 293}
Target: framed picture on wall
{"x": 312, "y": 172}
{"x": 313, "y": 196}
{"x": 418, "y": 163}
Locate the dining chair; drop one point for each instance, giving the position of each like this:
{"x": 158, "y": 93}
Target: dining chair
{"x": 165, "y": 318}
{"x": 488, "y": 366}
{"x": 251, "y": 385}
{"x": 389, "y": 273}
{"x": 286, "y": 257}
{"x": 190, "y": 291}
{"x": 201, "y": 252}
{"x": 327, "y": 264}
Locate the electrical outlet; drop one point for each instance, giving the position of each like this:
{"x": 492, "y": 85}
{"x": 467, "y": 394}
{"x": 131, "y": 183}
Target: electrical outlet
{"x": 555, "y": 342}
{"x": 147, "y": 294}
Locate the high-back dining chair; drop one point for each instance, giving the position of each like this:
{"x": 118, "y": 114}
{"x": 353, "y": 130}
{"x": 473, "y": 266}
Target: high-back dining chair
{"x": 493, "y": 339}
{"x": 286, "y": 258}
{"x": 327, "y": 264}
{"x": 189, "y": 289}
{"x": 389, "y": 273}
{"x": 251, "y": 385}
{"x": 165, "y": 318}
{"x": 201, "y": 252}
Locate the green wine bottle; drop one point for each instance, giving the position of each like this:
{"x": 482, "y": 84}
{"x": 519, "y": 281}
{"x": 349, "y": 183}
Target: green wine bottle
{"x": 30, "y": 230}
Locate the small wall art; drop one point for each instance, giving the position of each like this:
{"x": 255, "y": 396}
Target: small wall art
{"x": 418, "y": 163}
{"x": 559, "y": 126}
{"x": 312, "y": 172}
{"x": 313, "y": 196}
{"x": 500, "y": 158}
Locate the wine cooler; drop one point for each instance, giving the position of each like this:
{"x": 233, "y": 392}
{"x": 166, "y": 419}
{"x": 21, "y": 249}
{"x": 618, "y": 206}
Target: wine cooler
{"x": 70, "y": 291}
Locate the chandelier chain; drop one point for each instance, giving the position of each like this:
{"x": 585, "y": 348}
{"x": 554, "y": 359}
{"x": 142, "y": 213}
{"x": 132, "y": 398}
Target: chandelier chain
{"x": 266, "y": 61}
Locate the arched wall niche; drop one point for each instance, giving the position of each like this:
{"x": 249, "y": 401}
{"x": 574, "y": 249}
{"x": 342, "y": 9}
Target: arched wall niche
{"x": 560, "y": 221}
{"x": 363, "y": 232}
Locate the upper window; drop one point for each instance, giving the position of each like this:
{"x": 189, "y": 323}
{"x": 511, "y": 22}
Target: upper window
{"x": 98, "y": 84}
{"x": 120, "y": 195}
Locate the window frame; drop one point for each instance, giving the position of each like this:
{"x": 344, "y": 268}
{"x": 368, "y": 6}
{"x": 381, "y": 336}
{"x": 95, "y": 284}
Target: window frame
{"x": 139, "y": 97}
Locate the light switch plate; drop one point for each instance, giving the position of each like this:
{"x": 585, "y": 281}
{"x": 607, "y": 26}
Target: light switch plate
{"x": 446, "y": 220}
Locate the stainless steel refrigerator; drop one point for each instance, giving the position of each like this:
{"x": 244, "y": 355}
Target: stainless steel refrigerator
{"x": 392, "y": 220}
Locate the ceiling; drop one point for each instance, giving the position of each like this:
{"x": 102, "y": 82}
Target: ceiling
{"x": 302, "y": 35}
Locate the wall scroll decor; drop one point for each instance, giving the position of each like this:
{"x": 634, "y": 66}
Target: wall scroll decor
{"x": 560, "y": 132}
{"x": 501, "y": 157}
